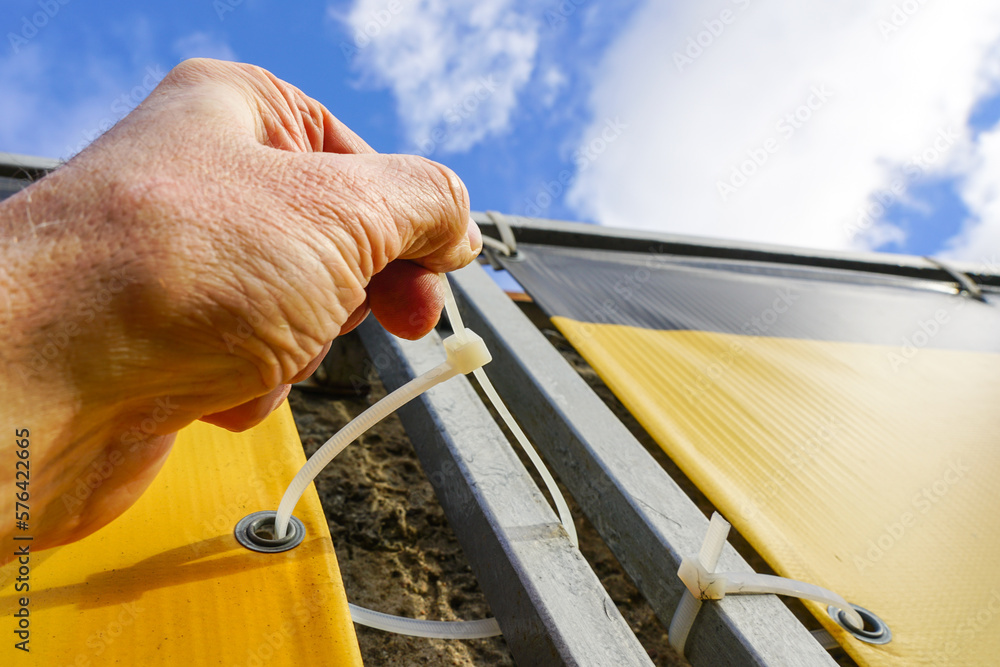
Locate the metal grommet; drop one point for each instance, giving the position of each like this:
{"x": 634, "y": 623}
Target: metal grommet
{"x": 256, "y": 532}
{"x": 875, "y": 630}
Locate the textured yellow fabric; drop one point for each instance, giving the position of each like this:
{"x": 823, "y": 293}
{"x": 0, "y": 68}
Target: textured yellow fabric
{"x": 873, "y": 471}
{"x": 167, "y": 583}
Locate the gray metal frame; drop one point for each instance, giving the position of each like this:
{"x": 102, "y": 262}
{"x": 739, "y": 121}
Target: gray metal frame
{"x": 548, "y": 601}
{"x": 645, "y": 518}
{"x": 26, "y": 167}
{"x": 19, "y": 171}
{"x": 580, "y": 235}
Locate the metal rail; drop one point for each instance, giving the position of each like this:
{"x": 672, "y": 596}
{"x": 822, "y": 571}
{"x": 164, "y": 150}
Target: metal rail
{"x": 549, "y": 603}
{"x": 26, "y": 167}
{"x": 580, "y": 235}
{"x": 646, "y": 519}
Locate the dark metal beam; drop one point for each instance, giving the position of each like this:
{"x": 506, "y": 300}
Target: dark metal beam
{"x": 25, "y": 167}
{"x": 580, "y": 235}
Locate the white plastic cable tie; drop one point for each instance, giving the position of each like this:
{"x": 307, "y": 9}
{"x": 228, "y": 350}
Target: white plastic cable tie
{"x": 506, "y": 233}
{"x": 562, "y": 508}
{"x": 704, "y": 583}
{"x": 494, "y": 244}
{"x": 690, "y": 605}
{"x": 466, "y": 353}
{"x": 451, "y": 308}
{"x": 966, "y": 285}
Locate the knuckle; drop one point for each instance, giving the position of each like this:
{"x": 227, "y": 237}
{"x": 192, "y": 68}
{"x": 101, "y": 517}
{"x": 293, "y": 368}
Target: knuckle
{"x": 191, "y": 69}
{"x": 459, "y": 193}
{"x": 447, "y": 183}
{"x": 200, "y": 69}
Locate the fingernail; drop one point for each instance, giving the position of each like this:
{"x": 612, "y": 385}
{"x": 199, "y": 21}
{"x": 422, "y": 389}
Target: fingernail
{"x": 475, "y": 237}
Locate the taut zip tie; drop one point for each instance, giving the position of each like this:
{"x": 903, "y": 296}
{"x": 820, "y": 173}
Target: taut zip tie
{"x": 704, "y": 583}
{"x": 507, "y": 239}
{"x": 966, "y": 285}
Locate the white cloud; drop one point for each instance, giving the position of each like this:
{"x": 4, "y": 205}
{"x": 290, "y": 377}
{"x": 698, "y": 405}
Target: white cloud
{"x": 203, "y": 45}
{"x": 454, "y": 68}
{"x": 553, "y": 81}
{"x": 892, "y": 95}
{"x": 979, "y": 241}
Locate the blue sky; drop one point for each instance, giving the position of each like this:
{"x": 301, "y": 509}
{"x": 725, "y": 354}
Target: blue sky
{"x": 862, "y": 125}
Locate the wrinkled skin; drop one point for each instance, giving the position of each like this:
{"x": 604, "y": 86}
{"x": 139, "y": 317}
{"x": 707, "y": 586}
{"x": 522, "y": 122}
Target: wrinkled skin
{"x": 191, "y": 264}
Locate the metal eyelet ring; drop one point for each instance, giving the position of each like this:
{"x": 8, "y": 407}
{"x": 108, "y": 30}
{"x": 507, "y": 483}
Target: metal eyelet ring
{"x": 875, "y": 630}
{"x": 256, "y": 532}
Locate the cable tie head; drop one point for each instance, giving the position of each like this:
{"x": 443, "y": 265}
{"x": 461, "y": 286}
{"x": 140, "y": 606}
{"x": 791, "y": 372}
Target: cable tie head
{"x": 466, "y": 351}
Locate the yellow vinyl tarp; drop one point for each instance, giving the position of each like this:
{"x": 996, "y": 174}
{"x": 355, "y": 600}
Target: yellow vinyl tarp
{"x": 872, "y": 470}
{"x": 167, "y": 583}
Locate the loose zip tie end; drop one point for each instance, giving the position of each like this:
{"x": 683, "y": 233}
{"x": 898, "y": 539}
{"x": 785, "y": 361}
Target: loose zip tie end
{"x": 703, "y": 583}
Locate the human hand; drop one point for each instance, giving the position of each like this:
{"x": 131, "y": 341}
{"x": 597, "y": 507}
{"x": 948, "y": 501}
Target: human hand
{"x": 192, "y": 263}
